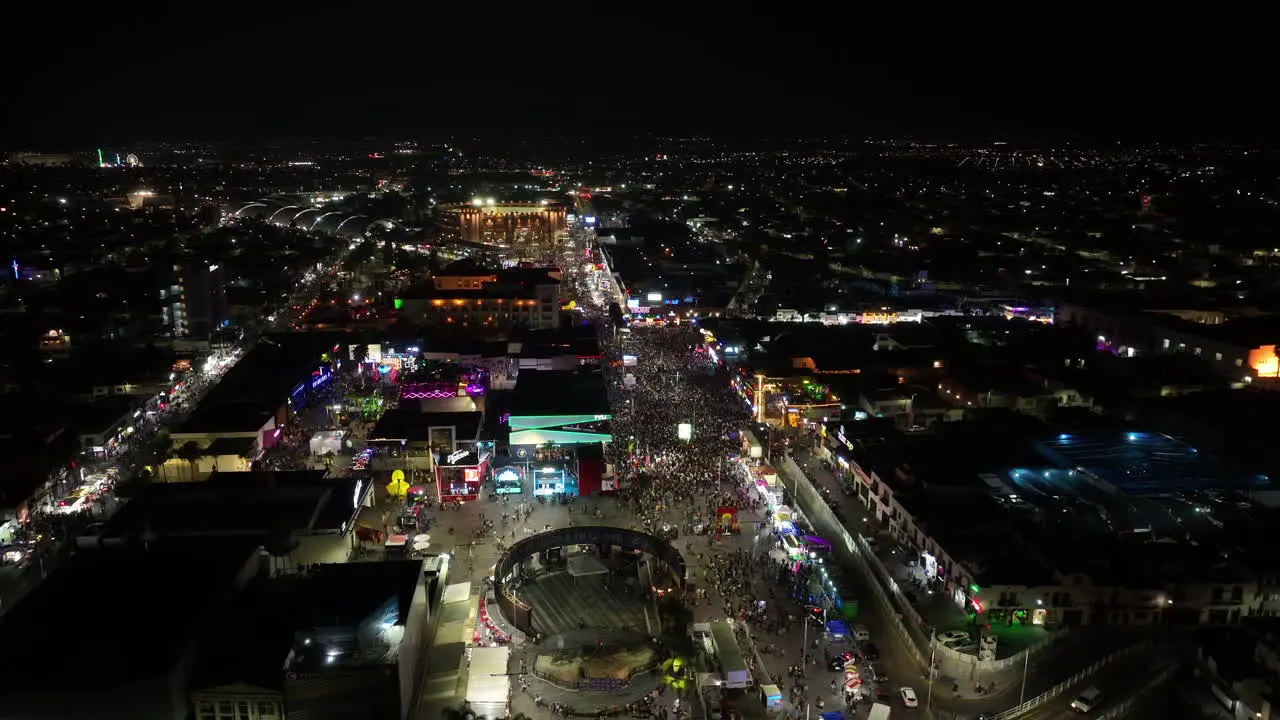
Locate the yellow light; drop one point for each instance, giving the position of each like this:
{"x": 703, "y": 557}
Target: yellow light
{"x": 1263, "y": 360}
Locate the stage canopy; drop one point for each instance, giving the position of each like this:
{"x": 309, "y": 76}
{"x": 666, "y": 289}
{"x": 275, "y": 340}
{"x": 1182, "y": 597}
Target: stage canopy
{"x": 326, "y": 441}
{"x": 488, "y": 684}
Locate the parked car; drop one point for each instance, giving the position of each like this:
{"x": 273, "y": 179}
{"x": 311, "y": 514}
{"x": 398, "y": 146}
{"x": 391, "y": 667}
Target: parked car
{"x": 953, "y": 637}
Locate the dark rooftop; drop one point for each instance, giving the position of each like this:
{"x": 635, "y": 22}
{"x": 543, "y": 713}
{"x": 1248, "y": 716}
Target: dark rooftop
{"x": 137, "y": 610}
{"x": 329, "y": 604}
{"x": 98, "y": 416}
{"x": 254, "y": 504}
{"x": 410, "y": 423}
{"x": 560, "y": 392}
{"x": 254, "y": 638}
{"x": 257, "y": 386}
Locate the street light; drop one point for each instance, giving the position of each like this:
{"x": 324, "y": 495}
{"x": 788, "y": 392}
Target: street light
{"x": 933, "y": 653}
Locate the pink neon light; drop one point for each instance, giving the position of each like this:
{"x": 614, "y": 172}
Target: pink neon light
{"x": 427, "y": 394}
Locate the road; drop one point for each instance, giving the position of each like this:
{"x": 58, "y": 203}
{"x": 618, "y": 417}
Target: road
{"x": 1046, "y": 670}
{"x": 1118, "y": 682}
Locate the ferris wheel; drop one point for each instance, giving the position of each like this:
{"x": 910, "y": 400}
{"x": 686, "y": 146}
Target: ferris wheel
{"x": 132, "y": 160}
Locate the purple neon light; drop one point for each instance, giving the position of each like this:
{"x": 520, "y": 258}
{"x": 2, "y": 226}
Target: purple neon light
{"x": 427, "y": 394}
{"x": 440, "y": 390}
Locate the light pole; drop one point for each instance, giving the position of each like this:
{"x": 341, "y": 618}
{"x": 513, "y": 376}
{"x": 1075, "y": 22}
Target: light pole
{"x": 1026, "y": 663}
{"x": 804, "y": 646}
{"x": 760, "y": 398}
{"x": 933, "y": 652}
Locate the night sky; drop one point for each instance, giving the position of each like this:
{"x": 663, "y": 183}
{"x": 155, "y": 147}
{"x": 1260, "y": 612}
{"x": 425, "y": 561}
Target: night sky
{"x": 227, "y": 71}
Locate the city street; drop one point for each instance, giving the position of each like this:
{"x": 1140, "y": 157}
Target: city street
{"x": 1044, "y": 670}
{"x": 936, "y": 609}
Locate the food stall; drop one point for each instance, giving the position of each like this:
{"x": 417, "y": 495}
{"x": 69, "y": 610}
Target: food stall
{"x": 460, "y": 474}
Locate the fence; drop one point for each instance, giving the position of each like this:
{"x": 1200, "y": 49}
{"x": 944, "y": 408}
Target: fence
{"x": 1013, "y": 662}
{"x": 912, "y": 627}
{"x": 811, "y": 502}
{"x": 1065, "y": 685}
{"x": 1130, "y": 703}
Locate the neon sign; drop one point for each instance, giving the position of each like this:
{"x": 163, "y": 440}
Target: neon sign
{"x": 456, "y": 455}
{"x": 320, "y": 377}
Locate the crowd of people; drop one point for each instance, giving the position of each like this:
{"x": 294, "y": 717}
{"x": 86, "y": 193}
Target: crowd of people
{"x": 673, "y": 383}
{"x": 325, "y": 409}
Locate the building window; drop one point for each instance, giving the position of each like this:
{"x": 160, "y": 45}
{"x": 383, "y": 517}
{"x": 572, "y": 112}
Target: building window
{"x": 1217, "y": 357}
{"x": 206, "y": 710}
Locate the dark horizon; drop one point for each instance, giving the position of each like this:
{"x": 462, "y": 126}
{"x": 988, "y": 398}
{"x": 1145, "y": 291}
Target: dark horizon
{"x": 178, "y": 75}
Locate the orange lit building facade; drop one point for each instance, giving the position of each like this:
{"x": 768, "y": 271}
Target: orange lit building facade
{"x": 507, "y": 224}
{"x": 1208, "y": 336}
{"x": 525, "y": 299}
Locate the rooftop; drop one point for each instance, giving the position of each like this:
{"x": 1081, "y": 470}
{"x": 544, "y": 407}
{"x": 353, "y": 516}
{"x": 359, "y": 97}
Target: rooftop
{"x": 156, "y": 598}
{"x": 251, "y": 391}
{"x": 100, "y": 415}
{"x": 411, "y": 423}
{"x": 352, "y": 613}
{"x": 1144, "y": 463}
{"x": 1125, "y": 508}
{"x": 253, "y": 504}
{"x": 560, "y": 392}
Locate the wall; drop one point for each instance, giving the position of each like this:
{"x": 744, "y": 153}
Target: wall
{"x": 806, "y": 496}
{"x": 411, "y": 647}
{"x": 905, "y": 619}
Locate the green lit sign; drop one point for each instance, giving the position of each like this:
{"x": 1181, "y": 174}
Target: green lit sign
{"x": 398, "y": 304}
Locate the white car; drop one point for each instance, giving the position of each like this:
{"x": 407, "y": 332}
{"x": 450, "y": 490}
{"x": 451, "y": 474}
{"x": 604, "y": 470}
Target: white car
{"x": 909, "y": 698}
{"x": 953, "y": 637}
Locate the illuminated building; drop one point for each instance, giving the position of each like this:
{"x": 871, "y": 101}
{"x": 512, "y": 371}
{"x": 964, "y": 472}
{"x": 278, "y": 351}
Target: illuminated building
{"x": 1263, "y": 360}
{"x": 509, "y": 298}
{"x": 505, "y": 224}
{"x": 1235, "y": 347}
{"x": 558, "y": 424}
{"x": 193, "y": 299}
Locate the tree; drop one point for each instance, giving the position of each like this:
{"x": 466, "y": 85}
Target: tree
{"x": 280, "y": 543}
{"x": 159, "y": 450}
{"x": 191, "y": 452}
{"x": 462, "y": 712}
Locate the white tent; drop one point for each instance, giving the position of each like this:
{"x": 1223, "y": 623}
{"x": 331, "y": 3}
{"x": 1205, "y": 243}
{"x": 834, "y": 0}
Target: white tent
{"x": 326, "y": 441}
{"x": 488, "y": 684}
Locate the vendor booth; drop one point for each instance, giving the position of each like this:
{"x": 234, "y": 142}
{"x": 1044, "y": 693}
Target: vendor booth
{"x": 488, "y": 682}
{"x": 509, "y": 480}
{"x": 327, "y": 441}
{"x": 460, "y": 475}
{"x": 554, "y": 480}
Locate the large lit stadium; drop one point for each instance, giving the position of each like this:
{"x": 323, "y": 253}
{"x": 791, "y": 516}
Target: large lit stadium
{"x": 512, "y": 225}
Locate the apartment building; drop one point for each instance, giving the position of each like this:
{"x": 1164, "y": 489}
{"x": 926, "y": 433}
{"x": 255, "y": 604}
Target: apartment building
{"x": 972, "y": 536}
{"x": 504, "y": 299}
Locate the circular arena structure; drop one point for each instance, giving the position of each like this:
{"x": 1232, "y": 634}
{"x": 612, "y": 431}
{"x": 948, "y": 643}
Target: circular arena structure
{"x": 558, "y": 581}
{"x": 300, "y": 212}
